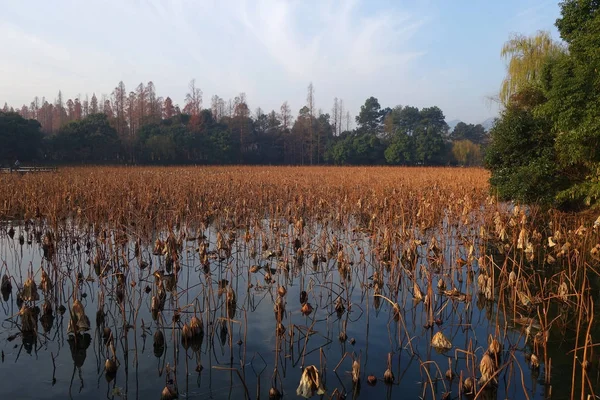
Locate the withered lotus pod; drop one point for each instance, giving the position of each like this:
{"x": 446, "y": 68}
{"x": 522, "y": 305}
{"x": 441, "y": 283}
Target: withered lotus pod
{"x": 339, "y": 306}
{"x": 494, "y": 346}
{"x": 28, "y": 319}
{"x": 534, "y": 362}
{"x": 169, "y": 393}
{"x": 106, "y": 335}
{"x": 281, "y": 291}
{"x": 310, "y": 382}
{"x": 441, "y": 284}
{"x": 83, "y": 324}
{"x": 29, "y": 292}
{"x": 372, "y": 380}
{"x": 110, "y": 368}
{"x": 254, "y": 269}
{"x": 355, "y": 371}
{"x": 468, "y": 386}
{"x": 279, "y": 309}
{"x": 274, "y": 393}
{"x": 306, "y": 309}
{"x": 77, "y": 309}
{"x": 158, "y": 248}
{"x": 487, "y": 368}
{"x": 388, "y": 375}
{"x": 186, "y": 335}
{"x": 196, "y": 326}
{"x": 441, "y": 342}
{"x": 268, "y": 278}
{"x": 417, "y": 293}
{"x": 45, "y": 282}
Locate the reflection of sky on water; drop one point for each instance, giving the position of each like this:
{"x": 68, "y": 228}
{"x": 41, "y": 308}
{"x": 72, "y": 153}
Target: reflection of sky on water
{"x": 374, "y": 331}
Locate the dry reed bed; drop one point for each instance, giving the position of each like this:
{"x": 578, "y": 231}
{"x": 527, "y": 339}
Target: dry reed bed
{"x": 169, "y": 195}
{"x": 427, "y": 230}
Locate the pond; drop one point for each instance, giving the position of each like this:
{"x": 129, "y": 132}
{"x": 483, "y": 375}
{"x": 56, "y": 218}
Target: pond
{"x": 268, "y": 307}
{"x": 375, "y": 283}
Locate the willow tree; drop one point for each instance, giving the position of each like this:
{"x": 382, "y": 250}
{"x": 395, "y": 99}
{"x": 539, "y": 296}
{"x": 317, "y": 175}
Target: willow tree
{"x": 526, "y": 57}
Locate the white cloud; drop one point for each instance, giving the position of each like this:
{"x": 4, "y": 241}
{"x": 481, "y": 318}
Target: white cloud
{"x": 33, "y": 66}
{"x": 270, "y": 49}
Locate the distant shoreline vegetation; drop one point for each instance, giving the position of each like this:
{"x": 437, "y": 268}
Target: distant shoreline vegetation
{"x": 143, "y": 129}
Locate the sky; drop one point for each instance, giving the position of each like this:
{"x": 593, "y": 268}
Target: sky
{"x": 422, "y": 53}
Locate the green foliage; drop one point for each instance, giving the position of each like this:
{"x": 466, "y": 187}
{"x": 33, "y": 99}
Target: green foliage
{"x": 183, "y": 140}
{"x": 465, "y": 152}
{"x": 575, "y": 15}
{"x": 20, "y": 138}
{"x": 526, "y": 57}
{"x": 521, "y": 158}
{"x": 401, "y": 151}
{"x": 402, "y": 136}
{"x": 551, "y": 127}
{"x": 370, "y": 117}
{"x": 430, "y": 147}
{"x": 416, "y": 136}
{"x": 91, "y": 140}
{"x": 357, "y": 149}
{"x": 473, "y": 133}
{"x": 340, "y": 151}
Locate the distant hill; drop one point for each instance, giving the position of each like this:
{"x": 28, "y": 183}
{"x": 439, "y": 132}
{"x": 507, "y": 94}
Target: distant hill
{"x": 487, "y": 124}
{"x": 453, "y": 123}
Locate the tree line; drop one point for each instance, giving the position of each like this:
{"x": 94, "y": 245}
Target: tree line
{"x": 143, "y": 128}
{"x": 545, "y": 146}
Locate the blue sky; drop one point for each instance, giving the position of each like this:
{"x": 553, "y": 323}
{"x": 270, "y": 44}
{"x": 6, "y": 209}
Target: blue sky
{"x": 419, "y": 52}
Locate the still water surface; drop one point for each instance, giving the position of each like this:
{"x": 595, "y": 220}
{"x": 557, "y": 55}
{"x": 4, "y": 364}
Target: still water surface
{"x": 240, "y": 354}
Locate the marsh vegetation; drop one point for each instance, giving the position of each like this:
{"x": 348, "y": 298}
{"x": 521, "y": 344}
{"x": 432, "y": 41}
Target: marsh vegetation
{"x": 256, "y": 282}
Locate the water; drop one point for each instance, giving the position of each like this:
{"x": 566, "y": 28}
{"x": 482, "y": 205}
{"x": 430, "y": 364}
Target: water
{"x": 240, "y": 354}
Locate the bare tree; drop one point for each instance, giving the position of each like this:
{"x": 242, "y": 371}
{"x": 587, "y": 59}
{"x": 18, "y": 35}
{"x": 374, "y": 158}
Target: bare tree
{"x": 78, "y": 110}
{"x": 152, "y": 103}
{"x": 217, "y": 107}
{"x": 119, "y": 99}
{"x": 70, "y": 110}
{"x": 340, "y": 117}
{"x": 335, "y": 111}
{"x": 286, "y": 116}
{"x": 139, "y": 111}
{"x": 193, "y": 99}
{"x": 310, "y": 103}
{"x": 93, "y": 104}
{"x": 348, "y": 119}
{"x": 168, "y": 108}
{"x": 133, "y": 119}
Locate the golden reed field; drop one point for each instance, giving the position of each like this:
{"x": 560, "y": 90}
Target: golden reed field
{"x": 168, "y": 195}
{"x": 308, "y": 269}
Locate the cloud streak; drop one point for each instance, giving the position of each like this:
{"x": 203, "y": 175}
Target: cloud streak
{"x": 402, "y": 53}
